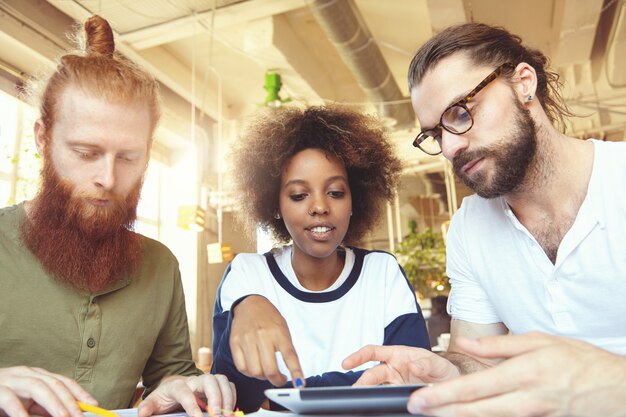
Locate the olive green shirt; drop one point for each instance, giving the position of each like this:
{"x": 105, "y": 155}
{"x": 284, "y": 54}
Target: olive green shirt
{"x": 137, "y": 328}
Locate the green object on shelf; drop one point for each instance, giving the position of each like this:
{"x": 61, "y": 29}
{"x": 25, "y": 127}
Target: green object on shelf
{"x": 272, "y": 85}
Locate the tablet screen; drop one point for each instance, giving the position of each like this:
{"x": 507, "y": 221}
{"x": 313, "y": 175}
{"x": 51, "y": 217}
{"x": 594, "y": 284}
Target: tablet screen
{"x": 344, "y": 400}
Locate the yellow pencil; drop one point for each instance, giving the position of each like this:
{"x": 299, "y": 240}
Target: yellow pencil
{"x": 96, "y": 410}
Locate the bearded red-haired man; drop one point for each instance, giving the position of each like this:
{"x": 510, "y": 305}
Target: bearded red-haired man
{"x": 90, "y": 307}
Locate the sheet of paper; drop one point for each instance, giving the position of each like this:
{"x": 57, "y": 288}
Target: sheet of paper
{"x": 129, "y": 412}
{"x": 132, "y": 412}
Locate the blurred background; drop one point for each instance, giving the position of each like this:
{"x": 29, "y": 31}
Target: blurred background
{"x": 220, "y": 60}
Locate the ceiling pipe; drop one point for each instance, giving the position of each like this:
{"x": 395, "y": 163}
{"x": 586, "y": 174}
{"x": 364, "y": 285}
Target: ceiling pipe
{"x": 345, "y": 27}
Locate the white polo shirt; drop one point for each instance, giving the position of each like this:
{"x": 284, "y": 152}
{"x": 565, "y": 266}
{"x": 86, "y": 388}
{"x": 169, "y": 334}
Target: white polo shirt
{"x": 499, "y": 273}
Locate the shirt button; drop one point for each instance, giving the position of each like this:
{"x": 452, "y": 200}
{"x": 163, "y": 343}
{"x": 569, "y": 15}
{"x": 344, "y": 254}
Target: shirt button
{"x": 90, "y": 342}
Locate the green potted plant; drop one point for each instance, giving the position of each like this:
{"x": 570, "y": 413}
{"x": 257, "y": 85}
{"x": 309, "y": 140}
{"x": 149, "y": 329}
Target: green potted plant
{"x": 423, "y": 258}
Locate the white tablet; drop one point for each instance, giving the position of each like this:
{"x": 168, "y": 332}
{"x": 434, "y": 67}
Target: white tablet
{"x": 344, "y": 400}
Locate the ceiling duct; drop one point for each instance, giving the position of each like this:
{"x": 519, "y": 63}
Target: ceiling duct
{"x": 346, "y": 29}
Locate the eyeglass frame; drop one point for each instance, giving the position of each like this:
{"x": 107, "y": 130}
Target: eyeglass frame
{"x": 460, "y": 103}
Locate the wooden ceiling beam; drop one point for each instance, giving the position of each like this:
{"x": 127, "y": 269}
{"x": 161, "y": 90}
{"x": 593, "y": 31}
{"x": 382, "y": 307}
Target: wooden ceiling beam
{"x": 224, "y": 16}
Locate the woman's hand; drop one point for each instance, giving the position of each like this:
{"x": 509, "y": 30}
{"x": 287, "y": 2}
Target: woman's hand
{"x": 258, "y": 332}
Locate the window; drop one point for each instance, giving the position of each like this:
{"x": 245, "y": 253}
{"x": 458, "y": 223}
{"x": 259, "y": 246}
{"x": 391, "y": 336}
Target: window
{"x": 149, "y": 208}
{"x": 19, "y": 162}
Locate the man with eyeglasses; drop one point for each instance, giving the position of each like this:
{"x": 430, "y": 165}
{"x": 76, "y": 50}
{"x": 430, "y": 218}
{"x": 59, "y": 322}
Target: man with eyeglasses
{"x": 537, "y": 249}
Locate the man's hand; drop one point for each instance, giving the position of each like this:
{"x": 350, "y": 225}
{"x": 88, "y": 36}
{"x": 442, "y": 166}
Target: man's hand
{"x": 541, "y": 376}
{"x": 258, "y": 332}
{"x": 174, "y": 392}
{"x": 25, "y": 391}
{"x": 400, "y": 365}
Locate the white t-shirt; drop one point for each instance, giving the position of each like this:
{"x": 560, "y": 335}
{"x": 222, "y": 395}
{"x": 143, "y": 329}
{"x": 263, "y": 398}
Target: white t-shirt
{"x": 499, "y": 273}
{"x": 326, "y": 326}
{"x": 370, "y": 303}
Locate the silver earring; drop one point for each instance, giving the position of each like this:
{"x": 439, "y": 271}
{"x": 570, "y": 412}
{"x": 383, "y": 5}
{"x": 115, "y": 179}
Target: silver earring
{"x": 277, "y": 216}
{"x": 530, "y": 98}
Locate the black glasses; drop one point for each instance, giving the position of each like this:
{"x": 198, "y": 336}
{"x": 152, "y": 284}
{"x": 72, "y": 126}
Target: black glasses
{"x": 456, "y": 118}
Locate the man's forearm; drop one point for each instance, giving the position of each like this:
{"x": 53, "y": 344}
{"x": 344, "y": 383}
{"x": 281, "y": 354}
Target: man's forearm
{"x": 465, "y": 363}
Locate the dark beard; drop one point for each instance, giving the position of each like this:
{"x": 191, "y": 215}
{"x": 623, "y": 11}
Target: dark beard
{"x": 513, "y": 156}
{"x": 84, "y": 246}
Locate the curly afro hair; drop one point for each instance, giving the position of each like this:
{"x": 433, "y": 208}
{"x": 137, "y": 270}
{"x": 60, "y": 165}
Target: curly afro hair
{"x": 272, "y": 138}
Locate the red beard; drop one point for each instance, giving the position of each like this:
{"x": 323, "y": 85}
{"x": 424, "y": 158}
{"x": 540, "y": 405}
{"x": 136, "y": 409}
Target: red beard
{"x": 82, "y": 245}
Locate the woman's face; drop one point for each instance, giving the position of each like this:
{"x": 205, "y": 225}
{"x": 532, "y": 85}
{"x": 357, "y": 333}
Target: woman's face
{"x": 315, "y": 202}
